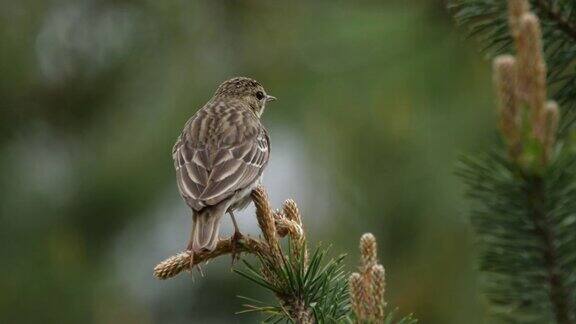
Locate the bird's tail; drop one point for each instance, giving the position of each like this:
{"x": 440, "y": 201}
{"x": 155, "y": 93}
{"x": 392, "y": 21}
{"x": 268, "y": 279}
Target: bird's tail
{"x": 206, "y": 227}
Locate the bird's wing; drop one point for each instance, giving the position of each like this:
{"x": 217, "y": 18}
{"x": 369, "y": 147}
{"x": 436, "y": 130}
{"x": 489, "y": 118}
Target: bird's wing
{"x": 216, "y": 155}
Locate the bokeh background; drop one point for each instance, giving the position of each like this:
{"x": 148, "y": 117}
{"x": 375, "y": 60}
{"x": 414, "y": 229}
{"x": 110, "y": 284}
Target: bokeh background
{"x": 376, "y": 102}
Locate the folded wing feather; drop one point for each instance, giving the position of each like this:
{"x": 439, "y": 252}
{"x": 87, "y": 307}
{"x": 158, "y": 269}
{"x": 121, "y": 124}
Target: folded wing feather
{"x": 215, "y": 162}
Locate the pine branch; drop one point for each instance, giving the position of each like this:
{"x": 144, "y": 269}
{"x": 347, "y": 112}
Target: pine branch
{"x": 308, "y": 289}
{"x": 174, "y": 265}
{"x": 525, "y": 227}
{"x": 525, "y": 219}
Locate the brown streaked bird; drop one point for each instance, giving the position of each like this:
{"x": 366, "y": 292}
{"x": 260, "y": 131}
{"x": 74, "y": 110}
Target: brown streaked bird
{"x": 220, "y": 156}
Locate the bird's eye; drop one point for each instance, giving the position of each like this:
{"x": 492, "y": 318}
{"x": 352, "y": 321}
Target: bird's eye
{"x": 259, "y": 95}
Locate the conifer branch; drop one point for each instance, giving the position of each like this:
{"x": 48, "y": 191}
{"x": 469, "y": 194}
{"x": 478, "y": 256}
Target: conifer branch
{"x": 524, "y": 217}
{"x": 308, "y": 289}
{"x": 174, "y": 265}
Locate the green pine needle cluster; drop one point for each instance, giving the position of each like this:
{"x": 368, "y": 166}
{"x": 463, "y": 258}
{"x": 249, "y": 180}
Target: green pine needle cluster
{"x": 487, "y": 20}
{"x": 525, "y": 211}
{"x": 308, "y": 289}
{"x": 317, "y": 292}
{"x": 526, "y": 227}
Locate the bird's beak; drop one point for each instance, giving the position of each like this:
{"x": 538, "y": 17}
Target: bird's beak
{"x": 270, "y": 98}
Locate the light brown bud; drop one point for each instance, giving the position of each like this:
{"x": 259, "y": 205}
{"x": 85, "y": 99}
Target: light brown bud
{"x": 357, "y": 296}
{"x": 532, "y": 71}
{"x": 173, "y": 266}
{"x": 505, "y": 80}
{"x": 368, "y": 250}
{"x": 291, "y": 211}
{"x": 378, "y": 290}
{"x": 298, "y": 240}
{"x": 266, "y": 221}
{"x": 516, "y": 8}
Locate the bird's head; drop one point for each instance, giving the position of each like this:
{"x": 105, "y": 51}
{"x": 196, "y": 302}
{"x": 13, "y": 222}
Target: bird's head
{"x": 247, "y": 90}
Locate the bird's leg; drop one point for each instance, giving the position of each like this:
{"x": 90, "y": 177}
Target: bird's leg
{"x": 191, "y": 251}
{"x": 190, "y": 247}
{"x": 236, "y": 237}
{"x": 236, "y": 229}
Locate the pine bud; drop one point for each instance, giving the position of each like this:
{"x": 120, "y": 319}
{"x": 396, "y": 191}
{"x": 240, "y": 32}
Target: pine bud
{"x": 505, "y": 80}
{"x": 368, "y": 250}
{"x": 291, "y": 210}
{"x": 357, "y": 296}
{"x": 298, "y": 241}
{"x": 532, "y": 71}
{"x": 266, "y": 221}
{"x": 173, "y": 266}
{"x": 378, "y": 290}
{"x": 516, "y": 8}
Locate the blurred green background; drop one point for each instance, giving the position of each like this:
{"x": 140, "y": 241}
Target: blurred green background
{"x": 376, "y": 102}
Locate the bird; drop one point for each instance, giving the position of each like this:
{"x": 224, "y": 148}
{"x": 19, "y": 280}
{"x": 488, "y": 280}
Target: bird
{"x": 219, "y": 158}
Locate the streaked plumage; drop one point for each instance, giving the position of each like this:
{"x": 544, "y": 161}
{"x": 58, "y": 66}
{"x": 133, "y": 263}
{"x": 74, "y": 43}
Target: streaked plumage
{"x": 220, "y": 156}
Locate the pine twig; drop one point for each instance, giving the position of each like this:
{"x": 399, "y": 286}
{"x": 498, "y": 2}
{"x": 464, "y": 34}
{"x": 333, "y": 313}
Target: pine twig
{"x": 308, "y": 289}
{"x": 520, "y": 209}
{"x": 181, "y": 262}
{"x": 273, "y": 225}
